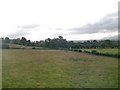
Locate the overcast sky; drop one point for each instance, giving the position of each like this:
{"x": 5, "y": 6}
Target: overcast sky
{"x": 72, "y": 19}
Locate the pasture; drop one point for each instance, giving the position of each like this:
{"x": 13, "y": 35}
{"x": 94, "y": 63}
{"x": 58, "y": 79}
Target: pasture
{"x": 106, "y": 50}
{"x": 29, "y": 68}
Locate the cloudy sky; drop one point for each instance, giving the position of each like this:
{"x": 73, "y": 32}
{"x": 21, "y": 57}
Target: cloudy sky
{"x": 73, "y": 19}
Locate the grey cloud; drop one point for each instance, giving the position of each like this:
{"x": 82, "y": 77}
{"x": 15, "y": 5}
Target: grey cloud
{"x": 107, "y": 24}
{"x": 59, "y": 28}
{"x": 29, "y": 26}
{"x": 24, "y": 30}
{"x": 18, "y": 34}
{"x": 115, "y": 37}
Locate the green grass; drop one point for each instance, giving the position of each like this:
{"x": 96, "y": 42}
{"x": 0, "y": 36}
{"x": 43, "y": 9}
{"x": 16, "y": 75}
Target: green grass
{"x": 107, "y": 50}
{"x": 16, "y": 46}
{"x": 58, "y": 69}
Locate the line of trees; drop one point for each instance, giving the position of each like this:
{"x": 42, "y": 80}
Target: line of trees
{"x": 97, "y": 44}
{"x": 60, "y": 43}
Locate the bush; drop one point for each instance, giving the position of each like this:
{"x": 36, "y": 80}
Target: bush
{"x": 94, "y": 52}
{"x": 86, "y": 51}
{"x": 33, "y": 48}
{"x": 75, "y": 50}
{"x": 112, "y": 55}
{"x": 118, "y": 55}
{"x": 79, "y": 50}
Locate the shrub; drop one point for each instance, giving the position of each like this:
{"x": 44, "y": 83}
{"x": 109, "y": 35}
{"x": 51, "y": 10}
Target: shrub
{"x": 94, "y": 52}
{"x": 118, "y": 55}
{"x": 86, "y": 51}
{"x": 75, "y": 50}
{"x": 33, "y": 48}
{"x": 79, "y": 50}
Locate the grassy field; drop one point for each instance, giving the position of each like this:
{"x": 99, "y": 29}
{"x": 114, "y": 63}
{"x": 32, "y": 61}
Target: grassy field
{"x": 58, "y": 69}
{"x": 16, "y": 46}
{"x": 106, "y": 50}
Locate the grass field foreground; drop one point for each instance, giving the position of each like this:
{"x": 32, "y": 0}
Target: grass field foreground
{"x": 58, "y": 69}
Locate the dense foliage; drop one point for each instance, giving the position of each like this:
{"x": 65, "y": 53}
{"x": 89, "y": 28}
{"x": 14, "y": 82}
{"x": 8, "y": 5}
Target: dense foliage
{"x": 61, "y": 43}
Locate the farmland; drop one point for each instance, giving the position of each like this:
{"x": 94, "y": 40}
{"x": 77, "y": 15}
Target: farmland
{"x": 106, "y": 50}
{"x": 27, "y": 68}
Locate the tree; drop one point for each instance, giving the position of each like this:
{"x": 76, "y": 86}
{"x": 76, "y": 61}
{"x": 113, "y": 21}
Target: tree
{"x": 60, "y": 37}
{"x": 56, "y": 43}
{"x": 23, "y": 41}
{"x": 15, "y": 41}
{"x": 7, "y": 40}
{"x": 28, "y": 42}
{"x": 2, "y": 40}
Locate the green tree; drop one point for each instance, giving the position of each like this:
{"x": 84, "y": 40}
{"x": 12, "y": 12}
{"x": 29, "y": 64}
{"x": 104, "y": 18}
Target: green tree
{"x": 7, "y": 40}
{"x": 23, "y": 41}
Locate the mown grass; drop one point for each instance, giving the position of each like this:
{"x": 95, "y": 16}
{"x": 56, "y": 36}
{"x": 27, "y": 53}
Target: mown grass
{"x": 58, "y": 69}
{"x": 106, "y": 50}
